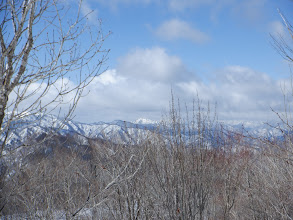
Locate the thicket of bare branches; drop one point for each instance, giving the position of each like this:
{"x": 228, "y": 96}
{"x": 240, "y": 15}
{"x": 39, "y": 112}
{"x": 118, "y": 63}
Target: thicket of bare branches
{"x": 45, "y": 61}
{"x": 163, "y": 176}
{"x": 190, "y": 168}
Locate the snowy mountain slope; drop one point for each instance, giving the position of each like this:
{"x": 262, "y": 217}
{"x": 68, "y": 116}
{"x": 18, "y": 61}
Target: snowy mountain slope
{"x": 254, "y": 128}
{"x": 116, "y": 131}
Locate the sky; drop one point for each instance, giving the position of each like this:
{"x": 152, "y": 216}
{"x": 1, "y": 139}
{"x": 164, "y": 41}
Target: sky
{"x": 218, "y": 50}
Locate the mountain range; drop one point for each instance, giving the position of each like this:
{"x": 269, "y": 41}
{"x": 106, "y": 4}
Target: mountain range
{"x": 116, "y": 131}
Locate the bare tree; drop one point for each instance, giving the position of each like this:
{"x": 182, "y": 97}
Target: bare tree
{"x": 43, "y": 51}
{"x": 281, "y": 44}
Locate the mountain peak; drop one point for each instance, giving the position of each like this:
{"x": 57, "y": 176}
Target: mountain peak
{"x": 144, "y": 121}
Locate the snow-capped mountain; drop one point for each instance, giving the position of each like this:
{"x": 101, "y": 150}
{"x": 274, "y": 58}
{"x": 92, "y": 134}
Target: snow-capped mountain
{"x": 117, "y": 131}
{"x": 254, "y": 128}
{"x": 145, "y": 121}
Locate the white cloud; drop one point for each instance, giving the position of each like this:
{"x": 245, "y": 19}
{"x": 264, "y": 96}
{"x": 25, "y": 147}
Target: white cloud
{"x": 249, "y": 10}
{"x": 87, "y": 10}
{"x": 126, "y": 99}
{"x": 39, "y": 94}
{"x": 114, "y": 4}
{"x": 153, "y": 65}
{"x": 176, "y": 29}
{"x": 109, "y": 77}
{"x": 276, "y": 28}
{"x": 241, "y": 93}
{"x": 141, "y": 85}
{"x": 180, "y": 5}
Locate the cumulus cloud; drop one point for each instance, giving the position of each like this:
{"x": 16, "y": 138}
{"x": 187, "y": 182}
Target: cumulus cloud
{"x": 39, "y": 94}
{"x": 109, "y": 77}
{"x": 153, "y": 65}
{"x": 176, "y": 29}
{"x": 241, "y": 93}
{"x": 126, "y": 99}
{"x": 141, "y": 86}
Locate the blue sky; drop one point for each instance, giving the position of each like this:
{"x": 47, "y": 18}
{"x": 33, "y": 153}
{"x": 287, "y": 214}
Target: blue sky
{"x": 218, "y": 49}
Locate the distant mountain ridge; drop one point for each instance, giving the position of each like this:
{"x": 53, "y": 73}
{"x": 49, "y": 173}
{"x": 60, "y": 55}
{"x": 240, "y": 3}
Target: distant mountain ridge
{"x": 117, "y": 131}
